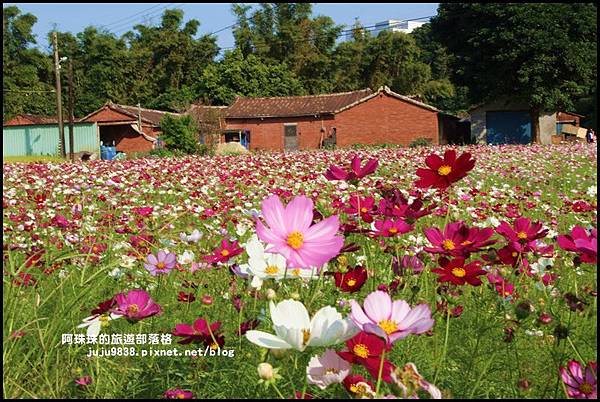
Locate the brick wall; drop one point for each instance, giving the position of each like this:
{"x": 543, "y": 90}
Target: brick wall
{"x": 385, "y": 119}
{"x": 126, "y": 138}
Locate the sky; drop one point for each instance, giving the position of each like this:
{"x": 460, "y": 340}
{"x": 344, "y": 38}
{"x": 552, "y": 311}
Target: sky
{"x": 120, "y": 17}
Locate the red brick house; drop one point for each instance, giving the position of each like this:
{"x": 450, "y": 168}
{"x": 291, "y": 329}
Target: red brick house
{"x": 119, "y": 124}
{"x": 359, "y": 117}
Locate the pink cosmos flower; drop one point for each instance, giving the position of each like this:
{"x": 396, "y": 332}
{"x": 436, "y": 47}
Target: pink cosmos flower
{"x": 143, "y": 211}
{"x": 580, "y": 242}
{"x": 580, "y": 384}
{"x": 161, "y": 264}
{"x": 178, "y": 394}
{"x": 391, "y": 228}
{"x": 136, "y": 305}
{"x": 355, "y": 172}
{"x": 225, "y": 252}
{"x": 327, "y": 369}
{"x": 84, "y": 381}
{"x": 391, "y": 320}
{"x": 362, "y": 206}
{"x": 290, "y": 233}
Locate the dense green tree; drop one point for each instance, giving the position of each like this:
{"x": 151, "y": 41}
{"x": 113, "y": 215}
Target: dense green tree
{"x": 179, "y": 133}
{"x": 246, "y": 76}
{"x": 27, "y": 74}
{"x": 542, "y": 54}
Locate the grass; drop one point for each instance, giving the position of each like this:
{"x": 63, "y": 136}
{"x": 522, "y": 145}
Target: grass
{"x": 32, "y": 159}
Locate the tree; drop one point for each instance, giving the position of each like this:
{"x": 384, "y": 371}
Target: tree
{"x": 542, "y": 54}
{"x": 27, "y": 75}
{"x": 179, "y": 133}
{"x": 246, "y": 76}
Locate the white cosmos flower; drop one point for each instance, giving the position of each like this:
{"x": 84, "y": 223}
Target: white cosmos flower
{"x": 295, "y": 330}
{"x": 193, "y": 238}
{"x": 262, "y": 265}
{"x": 127, "y": 261}
{"x": 186, "y": 258}
{"x": 94, "y": 323}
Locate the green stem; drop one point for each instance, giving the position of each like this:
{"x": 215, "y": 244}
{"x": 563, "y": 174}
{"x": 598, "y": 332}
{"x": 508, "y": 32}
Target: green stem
{"x": 575, "y": 349}
{"x": 278, "y": 392}
{"x": 379, "y": 375}
{"x": 443, "y": 356}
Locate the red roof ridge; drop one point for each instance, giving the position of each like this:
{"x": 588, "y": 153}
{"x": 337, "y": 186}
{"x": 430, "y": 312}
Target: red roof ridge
{"x": 303, "y": 96}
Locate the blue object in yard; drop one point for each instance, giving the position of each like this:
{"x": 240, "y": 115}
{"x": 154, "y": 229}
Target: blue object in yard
{"x": 508, "y": 127}
{"x": 103, "y": 152}
{"x": 112, "y": 152}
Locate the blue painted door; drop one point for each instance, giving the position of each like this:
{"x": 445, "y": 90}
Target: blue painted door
{"x": 508, "y": 127}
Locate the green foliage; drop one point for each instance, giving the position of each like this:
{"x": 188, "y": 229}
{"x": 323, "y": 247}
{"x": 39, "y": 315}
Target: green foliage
{"x": 163, "y": 153}
{"x": 179, "y": 133}
{"x": 246, "y": 76}
{"x": 420, "y": 142}
{"x": 544, "y": 54}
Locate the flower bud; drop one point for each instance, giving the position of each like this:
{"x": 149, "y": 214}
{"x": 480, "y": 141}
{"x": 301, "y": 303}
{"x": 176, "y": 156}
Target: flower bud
{"x": 270, "y": 294}
{"x": 545, "y": 318}
{"x": 277, "y": 353}
{"x": 561, "y": 332}
{"x": 295, "y": 296}
{"x": 265, "y": 371}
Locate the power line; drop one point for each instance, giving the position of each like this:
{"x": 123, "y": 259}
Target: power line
{"x": 130, "y": 17}
{"x": 129, "y": 25}
{"x": 27, "y": 90}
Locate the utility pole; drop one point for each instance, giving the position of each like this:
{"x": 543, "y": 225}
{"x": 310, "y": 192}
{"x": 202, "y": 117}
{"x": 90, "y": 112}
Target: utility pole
{"x": 71, "y": 116}
{"x": 140, "y": 117}
{"x": 61, "y": 131}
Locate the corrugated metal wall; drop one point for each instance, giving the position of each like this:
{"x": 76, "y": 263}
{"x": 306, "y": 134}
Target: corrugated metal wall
{"x": 44, "y": 139}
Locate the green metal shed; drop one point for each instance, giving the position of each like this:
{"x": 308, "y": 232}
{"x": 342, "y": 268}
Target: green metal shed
{"x": 43, "y": 139}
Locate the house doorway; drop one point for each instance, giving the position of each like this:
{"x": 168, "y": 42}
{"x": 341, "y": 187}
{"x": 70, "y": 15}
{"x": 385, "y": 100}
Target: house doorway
{"x": 290, "y": 137}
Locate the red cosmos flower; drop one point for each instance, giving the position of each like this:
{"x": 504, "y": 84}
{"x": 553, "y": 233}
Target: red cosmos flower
{"x": 355, "y": 173}
{"x": 390, "y": 228}
{"x": 105, "y": 306}
{"x": 199, "y": 332}
{"x": 366, "y": 349}
{"x": 458, "y": 239}
{"x": 247, "y": 326}
{"x": 579, "y": 241}
{"x": 186, "y": 297}
{"x": 443, "y": 172}
{"x": 455, "y": 271}
{"x": 523, "y": 235}
{"x": 24, "y": 280}
{"x": 364, "y": 206}
{"x": 225, "y": 252}
{"x": 352, "y": 280}
{"x": 351, "y": 380}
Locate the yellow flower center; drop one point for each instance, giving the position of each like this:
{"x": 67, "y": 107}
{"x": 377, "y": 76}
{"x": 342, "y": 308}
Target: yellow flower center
{"x": 180, "y": 396}
{"x": 459, "y": 272}
{"x": 363, "y": 210}
{"x": 133, "y": 308}
{"x": 160, "y": 265}
{"x": 271, "y": 270}
{"x": 305, "y": 336}
{"x": 444, "y": 170}
{"x": 95, "y": 249}
{"x": 522, "y": 235}
{"x": 354, "y": 388}
{"x": 214, "y": 346}
{"x": 393, "y": 230}
{"x": 224, "y": 253}
{"x": 448, "y": 244}
{"x": 586, "y": 388}
{"x": 331, "y": 370}
{"x": 361, "y": 350}
{"x": 103, "y": 318}
{"x": 514, "y": 254}
{"x": 506, "y": 293}
{"x": 466, "y": 243}
{"x": 388, "y": 326}
{"x": 295, "y": 271}
{"x": 295, "y": 240}
{"x": 351, "y": 282}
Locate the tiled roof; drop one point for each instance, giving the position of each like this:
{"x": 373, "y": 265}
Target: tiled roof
{"x": 148, "y": 115}
{"x": 288, "y": 106}
{"x": 203, "y": 112}
{"x": 30, "y": 119}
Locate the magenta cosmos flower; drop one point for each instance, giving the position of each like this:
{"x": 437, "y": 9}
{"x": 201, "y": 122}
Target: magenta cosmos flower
{"x": 161, "y": 264}
{"x": 580, "y": 384}
{"x": 391, "y": 320}
{"x": 458, "y": 239}
{"x": 136, "y": 305}
{"x": 580, "y": 242}
{"x": 224, "y": 252}
{"x": 355, "y": 172}
{"x": 523, "y": 235}
{"x": 290, "y": 233}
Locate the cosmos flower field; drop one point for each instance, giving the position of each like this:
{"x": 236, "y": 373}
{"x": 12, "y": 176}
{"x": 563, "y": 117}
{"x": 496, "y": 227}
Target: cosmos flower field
{"x": 432, "y": 272}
